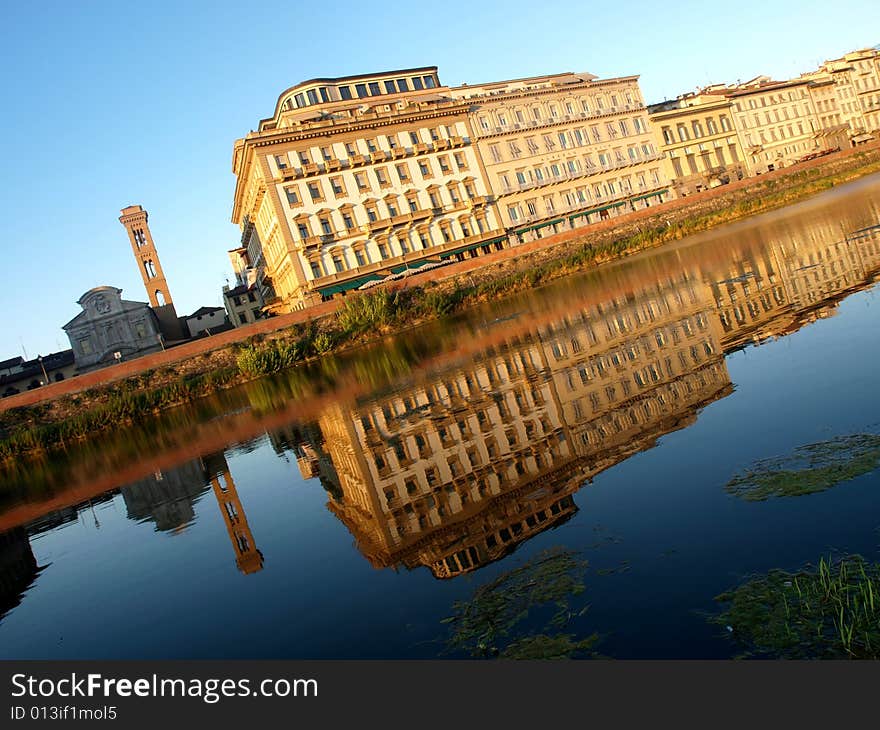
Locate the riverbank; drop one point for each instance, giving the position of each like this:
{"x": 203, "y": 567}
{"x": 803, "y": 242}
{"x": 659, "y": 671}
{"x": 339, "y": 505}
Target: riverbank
{"x": 363, "y": 318}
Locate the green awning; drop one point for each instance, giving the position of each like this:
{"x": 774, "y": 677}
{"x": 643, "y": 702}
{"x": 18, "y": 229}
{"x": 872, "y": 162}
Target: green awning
{"x": 449, "y": 254}
{"x": 348, "y": 285}
{"x": 650, "y": 195}
{"x": 539, "y": 225}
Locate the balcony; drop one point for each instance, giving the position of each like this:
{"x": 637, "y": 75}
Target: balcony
{"x": 287, "y": 173}
{"x": 378, "y": 225}
{"x": 319, "y": 240}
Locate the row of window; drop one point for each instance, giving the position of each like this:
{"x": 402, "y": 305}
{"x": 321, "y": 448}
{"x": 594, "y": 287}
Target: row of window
{"x": 397, "y": 244}
{"x": 539, "y": 112}
{"x": 563, "y": 140}
{"x": 770, "y": 99}
{"x": 573, "y": 167}
{"x": 324, "y": 94}
{"x": 363, "y": 147}
{"x": 382, "y": 175}
{"x": 579, "y": 197}
{"x": 696, "y": 129}
{"x": 784, "y": 132}
{"x": 390, "y": 206}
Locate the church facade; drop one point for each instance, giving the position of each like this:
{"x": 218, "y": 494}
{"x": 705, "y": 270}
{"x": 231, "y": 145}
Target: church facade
{"x": 109, "y": 324}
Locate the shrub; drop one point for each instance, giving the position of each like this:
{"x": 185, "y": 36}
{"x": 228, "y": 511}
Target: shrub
{"x": 269, "y": 357}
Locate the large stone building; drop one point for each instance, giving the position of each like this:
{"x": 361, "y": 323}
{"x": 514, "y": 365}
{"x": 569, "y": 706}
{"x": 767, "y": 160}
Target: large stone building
{"x": 776, "y": 121}
{"x": 108, "y": 325}
{"x": 564, "y": 150}
{"x": 354, "y": 180}
{"x": 855, "y": 82}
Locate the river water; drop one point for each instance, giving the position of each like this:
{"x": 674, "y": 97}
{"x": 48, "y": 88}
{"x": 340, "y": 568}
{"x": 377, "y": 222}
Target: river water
{"x": 590, "y": 427}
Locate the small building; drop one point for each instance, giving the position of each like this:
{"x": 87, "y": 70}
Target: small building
{"x": 207, "y": 321}
{"x": 24, "y": 375}
{"x": 697, "y": 136}
{"x": 108, "y": 325}
{"x": 11, "y": 366}
{"x": 244, "y": 303}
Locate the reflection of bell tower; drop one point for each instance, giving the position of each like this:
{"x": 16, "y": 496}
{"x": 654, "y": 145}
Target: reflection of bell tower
{"x": 134, "y": 218}
{"x": 248, "y": 558}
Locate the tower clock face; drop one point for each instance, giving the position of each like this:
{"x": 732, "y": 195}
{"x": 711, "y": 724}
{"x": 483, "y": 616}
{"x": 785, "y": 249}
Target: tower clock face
{"x": 102, "y": 305}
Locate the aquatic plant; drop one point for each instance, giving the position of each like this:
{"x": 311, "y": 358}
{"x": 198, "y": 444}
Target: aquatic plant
{"x": 809, "y": 469}
{"x": 493, "y": 622}
{"x": 828, "y": 611}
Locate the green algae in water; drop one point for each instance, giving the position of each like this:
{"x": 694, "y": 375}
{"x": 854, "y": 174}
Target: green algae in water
{"x": 810, "y": 469}
{"x": 542, "y": 646}
{"x": 492, "y": 622}
{"x": 828, "y": 611}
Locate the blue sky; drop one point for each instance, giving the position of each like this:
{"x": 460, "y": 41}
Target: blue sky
{"x": 113, "y": 104}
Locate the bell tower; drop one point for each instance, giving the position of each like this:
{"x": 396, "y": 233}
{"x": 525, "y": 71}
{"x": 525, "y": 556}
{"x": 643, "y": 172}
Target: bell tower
{"x": 134, "y": 218}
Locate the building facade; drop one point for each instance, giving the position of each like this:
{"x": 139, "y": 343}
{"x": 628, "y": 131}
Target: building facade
{"x": 356, "y": 179}
{"x": 18, "y": 375}
{"x": 697, "y": 136}
{"x": 564, "y": 150}
{"x": 360, "y": 179}
{"x": 109, "y": 324}
{"x": 776, "y": 122}
{"x": 207, "y": 320}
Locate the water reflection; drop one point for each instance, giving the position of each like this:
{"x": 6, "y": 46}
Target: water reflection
{"x": 450, "y": 449}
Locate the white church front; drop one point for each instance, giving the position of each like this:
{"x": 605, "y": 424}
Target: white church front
{"x": 108, "y": 325}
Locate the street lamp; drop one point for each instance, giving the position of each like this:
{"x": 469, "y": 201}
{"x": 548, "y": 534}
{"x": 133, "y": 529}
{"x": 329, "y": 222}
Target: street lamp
{"x": 161, "y": 341}
{"x": 43, "y": 367}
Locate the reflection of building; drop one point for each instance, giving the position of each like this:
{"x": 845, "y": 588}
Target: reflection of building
{"x": 109, "y": 324}
{"x": 454, "y": 469}
{"x": 454, "y": 472}
{"x": 167, "y": 498}
{"x": 18, "y": 568}
{"x": 247, "y": 557}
